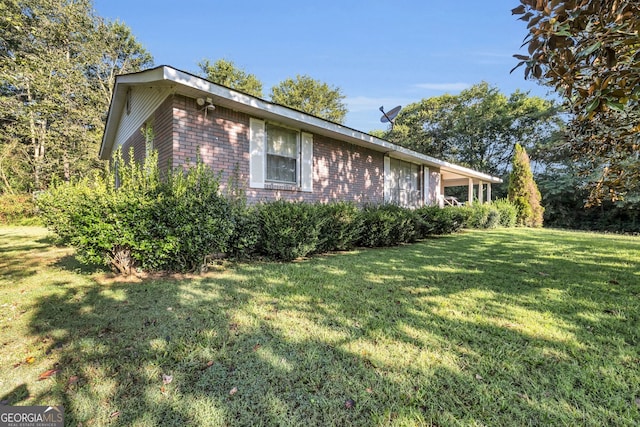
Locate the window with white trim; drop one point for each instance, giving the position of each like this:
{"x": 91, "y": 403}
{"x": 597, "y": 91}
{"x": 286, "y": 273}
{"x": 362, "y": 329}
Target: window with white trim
{"x": 404, "y": 183}
{"x": 282, "y": 155}
{"x": 279, "y": 156}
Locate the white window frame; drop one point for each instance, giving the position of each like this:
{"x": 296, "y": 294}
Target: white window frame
{"x": 394, "y": 191}
{"x": 267, "y": 154}
{"x": 258, "y": 158}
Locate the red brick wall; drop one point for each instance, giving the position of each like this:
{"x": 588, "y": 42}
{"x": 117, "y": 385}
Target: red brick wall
{"x": 137, "y": 142}
{"x": 221, "y": 139}
{"x": 340, "y": 171}
{"x": 163, "y": 134}
{"x": 344, "y": 171}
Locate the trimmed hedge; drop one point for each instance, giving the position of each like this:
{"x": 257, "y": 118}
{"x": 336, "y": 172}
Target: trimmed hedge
{"x": 244, "y": 239}
{"x": 388, "y": 225}
{"x": 341, "y": 226}
{"x": 439, "y": 221}
{"x": 194, "y": 217}
{"x": 288, "y": 230}
{"x": 181, "y": 222}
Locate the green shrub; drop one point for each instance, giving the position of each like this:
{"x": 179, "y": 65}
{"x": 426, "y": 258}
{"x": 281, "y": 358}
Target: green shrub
{"x": 493, "y": 219}
{"x": 341, "y": 226}
{"x": 288, "y": 230}
{"x": 92, "y": 217}
{"x": 523, "y": 191}
{"x": 388, "y": 225}
{"x": 428, "y": 220}
{"x": 17, "y": 209}
{"x": 482, "y": 216}
{"x": 508, "y": 212}
{"x": 66, "y": 207}
{"x": 195, "y": 218}
{"x": 440, "y": 221}
{"x": 55, "y": 208}
{"x": 246, "y": 231}
{"x": 144, "y": 222}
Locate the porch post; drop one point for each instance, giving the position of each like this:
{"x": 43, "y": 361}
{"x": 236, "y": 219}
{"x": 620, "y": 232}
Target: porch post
{"x": 488, "y": 192}
{"x": 480, "y": 188}
{"x": 470, "y": 191}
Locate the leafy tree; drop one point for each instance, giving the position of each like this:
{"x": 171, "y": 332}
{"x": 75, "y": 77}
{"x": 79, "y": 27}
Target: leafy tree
{"x": 477, "y": 127}
{"x": 564, "y": 192}
{"x": 121, "y": 53}
{"x": 226, "y": 73}
{"x": 589, "y": 52}
{"x": 311, "y": 96}
{"x": 57, "y": 64}
{"x": 523, "y": 191}
{"x": 565, "y": 189}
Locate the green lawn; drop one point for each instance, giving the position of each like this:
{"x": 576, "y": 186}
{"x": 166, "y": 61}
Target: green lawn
{"x": 504, "y": 327}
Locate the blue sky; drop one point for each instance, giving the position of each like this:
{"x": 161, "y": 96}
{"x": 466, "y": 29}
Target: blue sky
{"x": 378, "y": 52}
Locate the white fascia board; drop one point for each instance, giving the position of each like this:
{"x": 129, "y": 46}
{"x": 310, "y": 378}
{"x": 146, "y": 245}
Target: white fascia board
{"x": 264, "y": 109}
{"x": 147, "y": 76}
{"x": 461, "y": 170}
{"x": 111, "y": 125}
{"x": 407, "y": 154}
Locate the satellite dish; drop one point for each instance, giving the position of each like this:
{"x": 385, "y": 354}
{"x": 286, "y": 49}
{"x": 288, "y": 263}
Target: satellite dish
{"x": 389, "y": 115}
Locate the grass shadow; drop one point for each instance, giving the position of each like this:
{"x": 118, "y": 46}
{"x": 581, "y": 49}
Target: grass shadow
{"x": 460, "y": 330}
{"x": 71, "y": 263}
{"x": 17, "y": 395}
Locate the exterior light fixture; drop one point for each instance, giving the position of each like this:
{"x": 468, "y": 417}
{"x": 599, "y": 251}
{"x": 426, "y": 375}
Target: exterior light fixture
{"x": 206, "y": 104}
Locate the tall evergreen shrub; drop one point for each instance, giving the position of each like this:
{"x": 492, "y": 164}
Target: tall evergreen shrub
{"x": 523, "y": 191}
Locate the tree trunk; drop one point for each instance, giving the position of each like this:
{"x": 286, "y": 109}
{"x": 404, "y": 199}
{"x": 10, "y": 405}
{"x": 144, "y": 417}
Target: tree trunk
{"x": 7, "y": 184}
{"x": 37, "y": 142}
{"x": 34, "y": 142}
{"x": 6, "y": 153}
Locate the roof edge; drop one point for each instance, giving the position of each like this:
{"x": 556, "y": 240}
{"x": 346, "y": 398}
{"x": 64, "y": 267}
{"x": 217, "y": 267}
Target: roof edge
{"x": 253, "y": 103}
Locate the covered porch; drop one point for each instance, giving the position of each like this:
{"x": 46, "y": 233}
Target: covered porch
{"x": 414, "y": 182}
{"x": 478, "y": 186}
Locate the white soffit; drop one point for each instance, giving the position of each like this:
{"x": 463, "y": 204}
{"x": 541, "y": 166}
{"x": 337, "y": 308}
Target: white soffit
{"x": 194, "y": 86}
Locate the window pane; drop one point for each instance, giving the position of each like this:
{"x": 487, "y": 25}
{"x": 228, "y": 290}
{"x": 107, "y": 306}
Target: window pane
{"x": 282, "y": 154}
{"x": 405, "y": 183}
{"x": 281, "y": 169}
{"x": 281, "y": 141}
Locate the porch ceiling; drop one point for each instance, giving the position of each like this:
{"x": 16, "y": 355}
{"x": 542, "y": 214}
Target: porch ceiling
{"x": 455, "y": 179}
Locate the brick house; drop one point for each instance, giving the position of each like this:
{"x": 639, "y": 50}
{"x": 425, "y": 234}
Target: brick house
{"x": 271, "y": 150}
